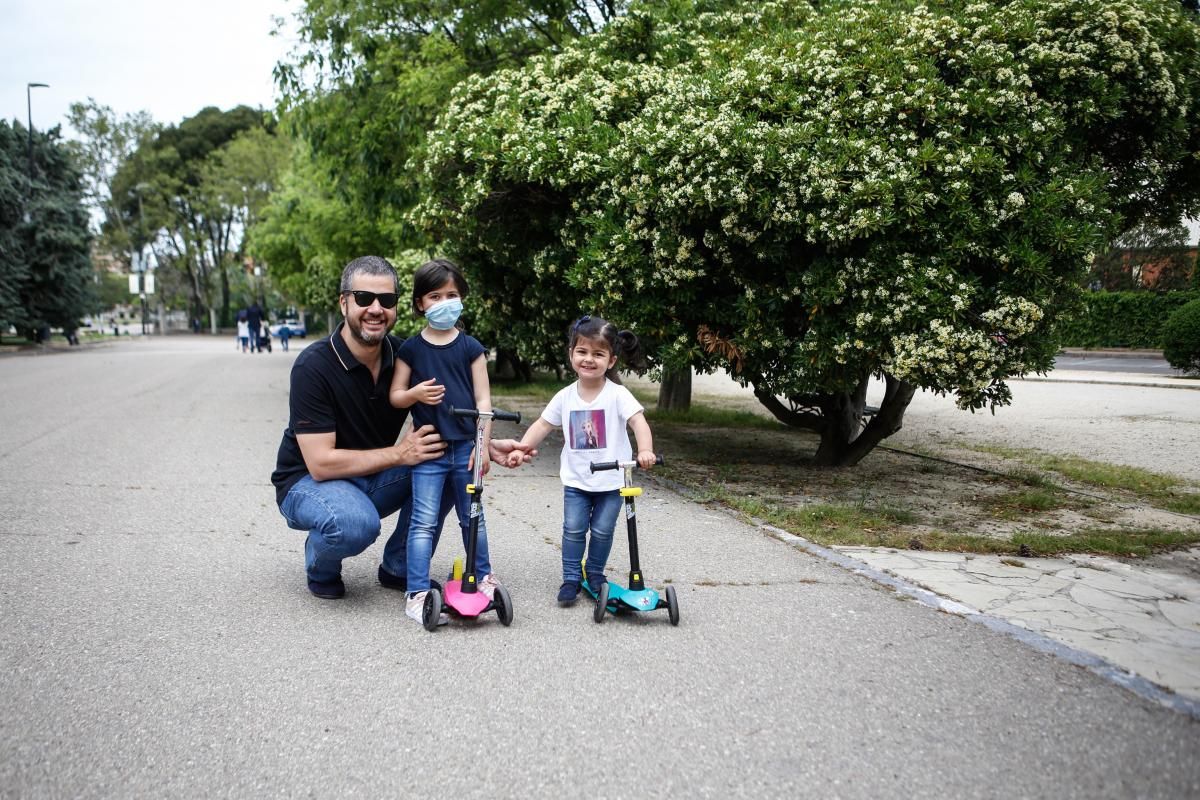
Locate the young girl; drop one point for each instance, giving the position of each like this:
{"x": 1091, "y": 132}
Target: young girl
{"x": 593, "y": 413}
{"x": 439, "y": 369}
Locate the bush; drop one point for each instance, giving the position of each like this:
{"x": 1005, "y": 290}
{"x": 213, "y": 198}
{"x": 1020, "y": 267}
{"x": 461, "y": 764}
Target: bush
{"x": 1122, "y": 319}
{"x": 1181, "y": 338}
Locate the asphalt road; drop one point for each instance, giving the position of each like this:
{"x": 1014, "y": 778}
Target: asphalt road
{"x": 157, "y": 640}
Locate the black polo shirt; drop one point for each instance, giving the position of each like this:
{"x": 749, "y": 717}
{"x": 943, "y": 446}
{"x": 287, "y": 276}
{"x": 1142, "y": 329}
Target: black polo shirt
{"x": 332, "y": 392}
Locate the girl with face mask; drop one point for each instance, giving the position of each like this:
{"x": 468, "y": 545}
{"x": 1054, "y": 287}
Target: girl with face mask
{"x": 439, "y": 369}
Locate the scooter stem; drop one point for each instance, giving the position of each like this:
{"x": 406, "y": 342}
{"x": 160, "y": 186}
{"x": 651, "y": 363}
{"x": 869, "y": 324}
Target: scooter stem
{"x": 635, "y": 566}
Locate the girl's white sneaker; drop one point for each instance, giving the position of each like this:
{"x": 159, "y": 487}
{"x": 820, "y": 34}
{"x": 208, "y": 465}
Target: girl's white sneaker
{"x": 414, "y": 608}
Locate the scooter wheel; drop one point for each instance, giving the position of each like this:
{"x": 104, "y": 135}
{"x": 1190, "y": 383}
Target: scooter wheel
{"x": 672, "y": 606}
{"x": 431, "y": 612}
{"x": 503, "y": 603}
{"x": 601, "y": 603}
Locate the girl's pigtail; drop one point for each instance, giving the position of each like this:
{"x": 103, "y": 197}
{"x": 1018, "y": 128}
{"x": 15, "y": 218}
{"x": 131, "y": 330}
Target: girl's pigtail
{"x": 627, "y": 344}
{"x": 625, "y": 347}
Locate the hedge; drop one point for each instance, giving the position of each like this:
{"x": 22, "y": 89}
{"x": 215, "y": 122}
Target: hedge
{"x": 1122, "y": 319}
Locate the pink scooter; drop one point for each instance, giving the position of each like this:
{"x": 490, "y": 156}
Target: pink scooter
{"x": 462, "y": 595}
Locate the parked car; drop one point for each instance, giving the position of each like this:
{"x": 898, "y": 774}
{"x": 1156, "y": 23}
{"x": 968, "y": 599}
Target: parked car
{"x": 294, "y": 325}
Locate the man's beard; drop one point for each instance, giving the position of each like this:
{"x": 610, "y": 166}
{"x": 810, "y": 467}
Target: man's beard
{"x": 355, "y": 326}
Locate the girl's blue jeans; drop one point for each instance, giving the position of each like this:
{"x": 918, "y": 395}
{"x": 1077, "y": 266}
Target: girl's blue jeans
{"x": 431, "y": 479}
{"x": 343, "y": 518}
{"x": 584, "y": 511}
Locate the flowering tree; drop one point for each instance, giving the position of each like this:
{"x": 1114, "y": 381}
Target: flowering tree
{"x": 810, "y": 195}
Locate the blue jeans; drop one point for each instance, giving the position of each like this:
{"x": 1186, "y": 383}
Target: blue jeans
{"x": 432, "y": 481}
{"x": 582, "y": 511}
{"x": 343, "y": 518}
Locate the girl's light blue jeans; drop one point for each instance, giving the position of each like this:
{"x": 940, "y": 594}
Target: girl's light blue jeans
{"x": 343, "y": 518}
{"x": 430, "y": 479}
{"x": 584, "y": 511}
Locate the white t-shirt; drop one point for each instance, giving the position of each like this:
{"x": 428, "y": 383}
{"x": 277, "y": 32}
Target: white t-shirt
{"x": 594, "y": 431}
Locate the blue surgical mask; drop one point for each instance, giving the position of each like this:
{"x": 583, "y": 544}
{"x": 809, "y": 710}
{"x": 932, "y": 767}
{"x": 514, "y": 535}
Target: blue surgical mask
{"x": 442, "y": 316}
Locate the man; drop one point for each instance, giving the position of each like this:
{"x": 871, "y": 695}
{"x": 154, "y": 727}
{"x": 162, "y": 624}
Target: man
{"x": 340, "y": 468}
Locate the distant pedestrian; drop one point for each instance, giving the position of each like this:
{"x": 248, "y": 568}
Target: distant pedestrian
{"x": 254, "y": 318}
{"x": 243, "y": 331}
{"x": 285, "y": 333}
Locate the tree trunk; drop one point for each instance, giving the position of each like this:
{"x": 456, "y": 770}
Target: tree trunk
{"x": 675, "y": 391}
{"x": 845, "y": 446}
{"x": 509, "y": 366}
{"x": 847, "y": 428}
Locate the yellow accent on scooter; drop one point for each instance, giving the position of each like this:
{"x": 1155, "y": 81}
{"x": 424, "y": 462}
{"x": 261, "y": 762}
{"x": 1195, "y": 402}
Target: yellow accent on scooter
{"x": 635, "y": 492}
{"x": 470, "y": 488}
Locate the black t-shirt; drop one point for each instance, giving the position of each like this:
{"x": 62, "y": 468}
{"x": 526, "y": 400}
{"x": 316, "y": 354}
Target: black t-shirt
{"x": 332, "y": 392}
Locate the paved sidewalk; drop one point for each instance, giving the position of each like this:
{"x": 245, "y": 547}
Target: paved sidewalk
{"x": 1143, "y": 620}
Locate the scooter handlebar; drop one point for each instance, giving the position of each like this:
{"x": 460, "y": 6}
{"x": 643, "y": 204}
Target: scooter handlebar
{"x": 474, "y": 413}
{"x": 600, "y": 466}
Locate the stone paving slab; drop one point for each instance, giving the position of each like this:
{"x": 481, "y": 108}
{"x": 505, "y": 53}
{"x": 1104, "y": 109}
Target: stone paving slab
{"x": 1143, "y": 620}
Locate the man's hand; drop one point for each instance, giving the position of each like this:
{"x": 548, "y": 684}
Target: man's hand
{"x": 422, "y": 444}
{"x": 429, "y": 392}
{"x": 510, "y": 452}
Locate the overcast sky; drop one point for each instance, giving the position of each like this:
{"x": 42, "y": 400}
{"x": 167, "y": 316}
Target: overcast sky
{"x": 169, "y": 58}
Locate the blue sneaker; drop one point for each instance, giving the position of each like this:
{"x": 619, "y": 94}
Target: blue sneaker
{"x": 568, "y": 592}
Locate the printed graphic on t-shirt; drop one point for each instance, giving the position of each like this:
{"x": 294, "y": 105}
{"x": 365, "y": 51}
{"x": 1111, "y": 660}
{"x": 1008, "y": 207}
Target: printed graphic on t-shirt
{"x": 587, "y": 430}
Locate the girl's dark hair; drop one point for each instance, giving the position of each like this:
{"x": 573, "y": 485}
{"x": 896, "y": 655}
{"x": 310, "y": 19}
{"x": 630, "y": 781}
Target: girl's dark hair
{"x": 622, "y": 344}
{"x": 434, "y": 274}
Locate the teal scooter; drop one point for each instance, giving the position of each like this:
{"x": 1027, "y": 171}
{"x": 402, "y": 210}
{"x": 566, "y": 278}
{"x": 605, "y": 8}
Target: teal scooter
{"x": 615, "y": 598}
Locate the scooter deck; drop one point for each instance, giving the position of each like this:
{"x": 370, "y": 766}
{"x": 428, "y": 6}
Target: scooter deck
{"x": 465, "y": 604}
{"x": 619, "y": 597}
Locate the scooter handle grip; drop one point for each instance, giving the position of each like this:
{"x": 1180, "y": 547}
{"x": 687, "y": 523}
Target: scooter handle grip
{"x": 505, "y": 416}
{"x": 598, "y": 466}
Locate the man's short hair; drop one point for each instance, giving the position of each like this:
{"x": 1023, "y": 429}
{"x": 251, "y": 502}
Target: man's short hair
{"x": 368, "y": 265}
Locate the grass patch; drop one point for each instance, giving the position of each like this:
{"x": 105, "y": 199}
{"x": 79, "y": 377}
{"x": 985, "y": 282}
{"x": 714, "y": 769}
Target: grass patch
{"x": 712, "y": 418}
{"x": 1137, "y": 543}
{"x": 1013, "y": 505}
{"x": 543, "y": 387}
{"x": 865, "y": 526}
{"x": 1165, "y": 491}
{"x": 1033, "y": 478}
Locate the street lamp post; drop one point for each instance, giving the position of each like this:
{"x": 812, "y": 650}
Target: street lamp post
{"x": 29, "y": 87}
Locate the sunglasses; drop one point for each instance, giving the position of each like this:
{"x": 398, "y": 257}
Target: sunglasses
{"x": 363, "y": 299}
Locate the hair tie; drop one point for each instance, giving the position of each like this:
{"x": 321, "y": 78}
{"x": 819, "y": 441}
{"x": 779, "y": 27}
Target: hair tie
{"x": 580, "y": 321}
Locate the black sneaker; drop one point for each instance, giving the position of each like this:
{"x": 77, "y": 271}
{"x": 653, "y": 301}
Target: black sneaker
{"x": 594, "y": 582}
{"x": 327, "y": 590}
{"x": 390, "y": 581}
{"x": 568, "y": 592}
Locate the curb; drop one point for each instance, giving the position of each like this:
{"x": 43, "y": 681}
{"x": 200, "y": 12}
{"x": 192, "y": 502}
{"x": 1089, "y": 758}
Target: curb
{"x": 1145, "y": 384}
{"x": 1110, "y": 352}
